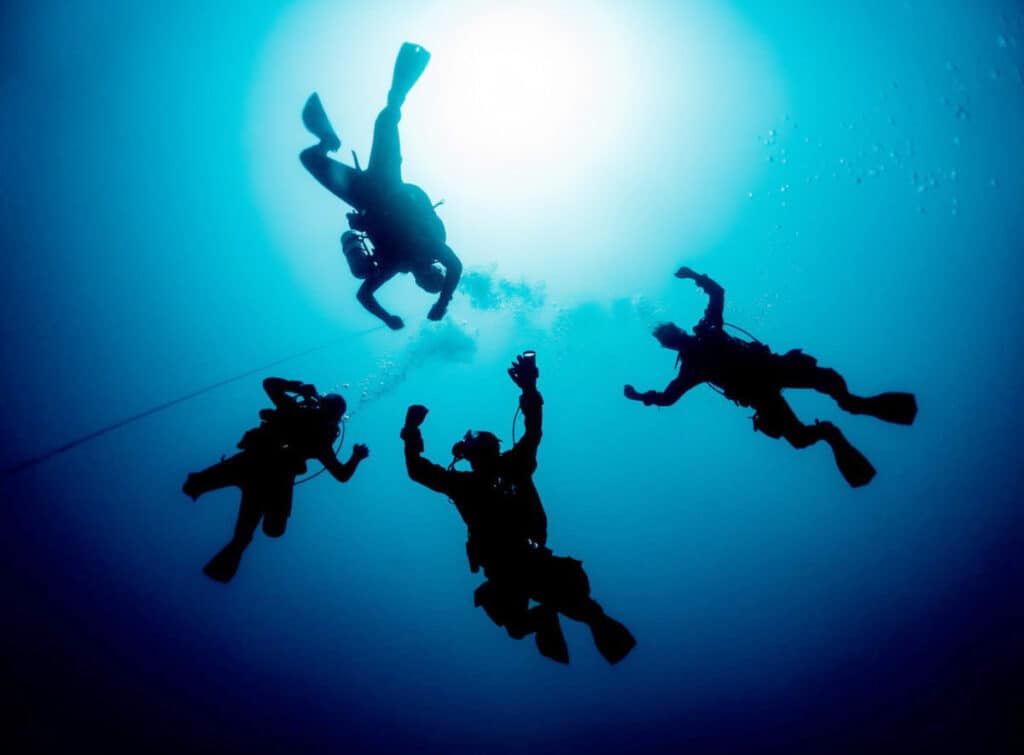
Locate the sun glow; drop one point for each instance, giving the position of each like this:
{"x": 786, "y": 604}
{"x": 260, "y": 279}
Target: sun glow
{"x": 562, "y": 136}
{"x": 522, "y": 87}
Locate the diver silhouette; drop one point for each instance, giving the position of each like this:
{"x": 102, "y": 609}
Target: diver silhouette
{"x": 397, "y": 217}
{"x": 750, "y": 374}
{"x": 271, "y": 456}
{"x": 508, "y": 531}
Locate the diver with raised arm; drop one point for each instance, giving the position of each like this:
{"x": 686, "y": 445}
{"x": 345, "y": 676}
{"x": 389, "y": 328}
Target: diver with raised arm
{"x": 750, "y": 374}
{"x": 398, "y": 218}
{"x": 508, "y": 531}
{"x": 302, "y": 426}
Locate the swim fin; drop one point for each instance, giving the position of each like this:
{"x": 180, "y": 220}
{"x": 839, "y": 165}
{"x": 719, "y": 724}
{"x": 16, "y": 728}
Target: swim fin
{"x": 612, "y": 639}
{"x": 549, "y": 638}
{"x": 853, "y": 465}
{"x": 899, "y": 408}
{"x": 409, "y": 66}
{"x": 316, "y": 121}
{"x": 223, "y": 566}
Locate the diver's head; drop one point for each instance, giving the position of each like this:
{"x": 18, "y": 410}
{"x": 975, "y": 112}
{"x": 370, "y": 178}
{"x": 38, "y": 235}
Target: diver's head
{"x": 671, "y": 336}
{"x": 480, "y": 448}
{"x": 429, "y": 277}
{"x": 333, "y": 406}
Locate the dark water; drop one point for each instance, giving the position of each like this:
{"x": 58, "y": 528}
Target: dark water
{"x": 850, "y": 173}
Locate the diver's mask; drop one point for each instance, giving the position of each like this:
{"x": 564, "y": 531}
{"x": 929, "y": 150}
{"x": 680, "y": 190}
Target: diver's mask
{"x": 473, "y": 443}
{"x": 462, "y": 446}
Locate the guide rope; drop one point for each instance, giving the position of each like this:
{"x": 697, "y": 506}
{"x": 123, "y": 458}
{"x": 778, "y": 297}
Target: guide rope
{"x": 35, "y": 460}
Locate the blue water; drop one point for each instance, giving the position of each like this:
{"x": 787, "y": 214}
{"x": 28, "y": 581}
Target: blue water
{"x": 850, "y": 173}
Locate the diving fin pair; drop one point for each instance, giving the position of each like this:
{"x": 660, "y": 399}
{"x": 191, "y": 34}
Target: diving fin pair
{"x": 409, "y": 66}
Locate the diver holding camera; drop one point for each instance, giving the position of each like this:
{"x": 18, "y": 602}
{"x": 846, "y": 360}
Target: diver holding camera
{"x": 302, "y": 425}
{"x": 508, "y": 530}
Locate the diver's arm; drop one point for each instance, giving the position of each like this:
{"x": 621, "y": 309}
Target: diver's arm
{"x": 531, "y": 404}
{"x": 279, "y": 388}
{"x": 367, "y": 299}
{"x": 524, "y": 373}
{"x": 672, "y": 393}
{"x": 452, "y": 272}
{"x": 343, "y": 472}
{"x": 420, "y": 469}
{"x": 716, "y": 296}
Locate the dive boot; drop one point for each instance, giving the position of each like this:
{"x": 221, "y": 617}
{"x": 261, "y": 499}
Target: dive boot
{"x": 409, "y": 66}
{"x": 852, "y": 463}
{"x": 223, "y": 566}
{"x": 316, "y": 122}
{"x": 612, "y": 639}
{"x": 549, "y": 638}
{"x": 898, "y": 408}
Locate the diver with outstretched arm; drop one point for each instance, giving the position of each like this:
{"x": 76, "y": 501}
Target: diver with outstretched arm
{"x": 398, "y": 218}
{"x": 750, "y": 374}
{"x": 271, "y": 457}
{"x": 507, "y": 530}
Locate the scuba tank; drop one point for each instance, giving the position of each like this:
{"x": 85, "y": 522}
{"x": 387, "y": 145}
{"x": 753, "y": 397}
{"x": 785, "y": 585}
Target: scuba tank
{"x": 359, "y": 259}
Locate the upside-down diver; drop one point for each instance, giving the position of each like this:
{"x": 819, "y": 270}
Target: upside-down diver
{"x": 397, "y": 217}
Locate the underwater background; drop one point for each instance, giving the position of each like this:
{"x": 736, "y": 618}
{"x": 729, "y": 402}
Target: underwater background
{"x": 849, "y": 172}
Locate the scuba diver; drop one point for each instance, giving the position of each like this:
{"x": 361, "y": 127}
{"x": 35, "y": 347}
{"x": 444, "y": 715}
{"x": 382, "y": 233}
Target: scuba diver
{"x": 750, "y": 374}
{"x": 508, "y": 531}
{"x": 398, "y": 218}
{"x": 271, "y": 456}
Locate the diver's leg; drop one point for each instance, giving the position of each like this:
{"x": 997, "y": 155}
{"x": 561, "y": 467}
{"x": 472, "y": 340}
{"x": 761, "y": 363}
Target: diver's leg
{"x": 562, "y": 585}
{"x": 776, "y": 419}
{"x": 900, "y": 408}
{"x": 223, "y": 474}
{"x": 386, "y": 154}
{"x": 507, "y": 603}
{"x": 339, "y": 179}
{"x": 224, "y": 565}
{"x": 278, "y": 506}
{"x": 385, "y": 165}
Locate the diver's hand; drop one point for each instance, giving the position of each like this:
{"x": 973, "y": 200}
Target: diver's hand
{"x": 394, "y": 322}
{"x": 359, "y": 452}
{"x": 437, "y": 311}
{"x": 687, "y": 272}
{"x": 524, "y": 372}
{"x": 415, "y": 415}
{"x": 632, "y": 393}
{"x": 306, "y": 390}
